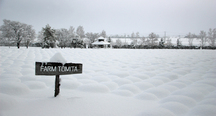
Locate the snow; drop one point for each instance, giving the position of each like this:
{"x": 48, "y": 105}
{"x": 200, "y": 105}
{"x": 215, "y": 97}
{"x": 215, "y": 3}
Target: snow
{"x": 58, "y": 58}
{"x": 120, "y": 82}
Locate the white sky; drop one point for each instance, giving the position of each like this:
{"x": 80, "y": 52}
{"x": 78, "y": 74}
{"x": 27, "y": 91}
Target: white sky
{"x": 176, "y": 17}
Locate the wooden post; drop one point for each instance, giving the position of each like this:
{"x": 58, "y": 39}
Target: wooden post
{"x": 57, "y": 85}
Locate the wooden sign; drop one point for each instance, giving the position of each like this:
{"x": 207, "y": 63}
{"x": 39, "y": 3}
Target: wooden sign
{"x": 55, "y": 68}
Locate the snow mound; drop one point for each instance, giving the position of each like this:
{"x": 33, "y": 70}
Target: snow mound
{"x": 27, "y": 78}
{"x": 120, "y": 74}
{"x": 159, "y": 92}
{"x": 101, "y": 78}
{"x": 146, "y": 96}
{"x": 126, "y": 93}
{"x": 82, "y": 76}
{"x": 162, "y": 78}
{"x": 190, "y": 92}
{"x": 131, "y": 88}
{"x": 170, "y": 75}
{"x": 133, "y": 79}
{"x": 157, "y": 112}
{"x": 69, "y": 84}
{"x": 7, "y": 102}
{"x": 122, "y": 81}
{"x": 13, "y": 88}
{"x": 202, "y": 110}
{"x": 141, "y": 76}
{"x": 11, "y": 74}
{"x": 87, "y": 81}
{"x": 177, "y": 84}
{"x": 189, "y": 102}
{"x": 175, "y": 107}
{"x": 144, "y": 85}
{"x": 58, "y": 58}
{"x": 111, "y": 85}
{"x": 169, "y": 87}
{"x": 208, "y": 101}
{"x": 96, "y": 88}
{"x": 35, "y": 84}
{"x": 10, "y": 80}
{"x": 155, "y": 82}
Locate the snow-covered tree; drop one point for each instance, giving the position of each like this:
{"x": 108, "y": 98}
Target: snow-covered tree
{"x": 109, "y": 40}
{"x": 29, "y": 35}
{"x": 103, "y": 34}
{"x": 132, "y": 35}
{"x": 134, "y": 42}
{"x": 62, "y": 35}
{"x": 142, "y": 41}
{"x": 40, "y": 36}
{"x": 179, "y": 43}
{"x": 152, "y": 38}
{"x": 202, "y": 37}
{"x": 15, "y": 32}
{"x": 137, "y": 35}
{"x": 72, "y": 33}
{"x": 92, "y": 36}
{"x": 86, "y": 41}
{"x": 169, "y": 42}
{"x": 161, "y": 43}
{"x": 212, "y": 37}
{"x": 190, "y": 39}
{"x": 80, "y": 32}
{"x": 118, "y": 43}
{"x": 49, "y": 37}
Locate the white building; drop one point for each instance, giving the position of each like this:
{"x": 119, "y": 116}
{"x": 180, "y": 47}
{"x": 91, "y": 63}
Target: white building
{"x": 101, "y": 43}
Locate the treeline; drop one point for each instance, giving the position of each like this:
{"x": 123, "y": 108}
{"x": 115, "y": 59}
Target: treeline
{"x": 13, "y": 33}
{"x": 154, "y": 42}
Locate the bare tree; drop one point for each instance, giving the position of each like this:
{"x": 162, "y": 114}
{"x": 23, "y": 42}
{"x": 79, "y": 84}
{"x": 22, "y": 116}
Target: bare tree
{"x": 202, "y": 37}
{"x": 190, "y": 38}
{"x": 212, "y": 37}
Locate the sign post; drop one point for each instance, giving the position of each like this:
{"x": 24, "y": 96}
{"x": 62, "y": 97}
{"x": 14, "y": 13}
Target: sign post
{"x": 57, "y": 69}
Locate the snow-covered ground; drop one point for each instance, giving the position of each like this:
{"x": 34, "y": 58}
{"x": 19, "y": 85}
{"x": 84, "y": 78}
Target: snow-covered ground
{"x": 113, "y": 82}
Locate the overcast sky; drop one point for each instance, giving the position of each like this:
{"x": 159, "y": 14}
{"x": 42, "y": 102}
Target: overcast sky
{"x": 176, "y": 17}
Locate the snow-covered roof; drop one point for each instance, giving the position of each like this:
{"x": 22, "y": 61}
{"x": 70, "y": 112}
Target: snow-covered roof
{"x": 101, "y": 38}
{"x": 101, "y": 43}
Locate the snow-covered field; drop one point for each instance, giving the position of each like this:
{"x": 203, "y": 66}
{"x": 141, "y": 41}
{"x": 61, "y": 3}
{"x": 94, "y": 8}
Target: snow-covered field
{"x": 113, "y": 82}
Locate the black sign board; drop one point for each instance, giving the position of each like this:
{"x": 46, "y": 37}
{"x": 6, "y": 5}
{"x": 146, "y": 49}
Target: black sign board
{"x": 55, "y": 68}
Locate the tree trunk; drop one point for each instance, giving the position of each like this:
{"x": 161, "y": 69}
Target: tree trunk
{"x": 18, "y": 45}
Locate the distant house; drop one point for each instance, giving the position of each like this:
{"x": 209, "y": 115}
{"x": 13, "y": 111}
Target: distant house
{"x": 101, "y": 43}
